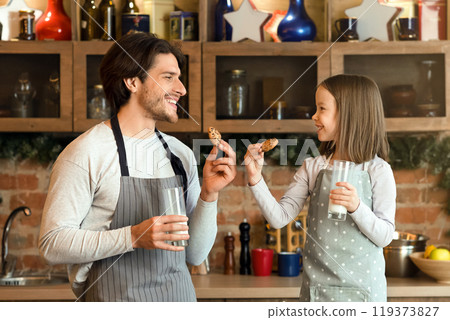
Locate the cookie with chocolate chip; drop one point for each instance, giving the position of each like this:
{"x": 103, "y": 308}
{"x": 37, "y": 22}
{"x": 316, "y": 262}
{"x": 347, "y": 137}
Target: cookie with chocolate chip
{"x": 269, "y": 144}
{"x": 214, "y": 136}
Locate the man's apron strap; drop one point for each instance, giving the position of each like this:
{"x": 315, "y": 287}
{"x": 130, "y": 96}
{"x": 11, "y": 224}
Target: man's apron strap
{"x": 176, "y": 163}
{"x": 120, "y": 146}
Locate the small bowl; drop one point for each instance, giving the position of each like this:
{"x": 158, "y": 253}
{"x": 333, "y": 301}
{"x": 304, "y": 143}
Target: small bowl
{"x": 437, "y": 269}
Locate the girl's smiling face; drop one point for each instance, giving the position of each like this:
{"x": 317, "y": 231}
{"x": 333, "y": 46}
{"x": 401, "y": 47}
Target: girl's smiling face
{"x": 325, "y": 118}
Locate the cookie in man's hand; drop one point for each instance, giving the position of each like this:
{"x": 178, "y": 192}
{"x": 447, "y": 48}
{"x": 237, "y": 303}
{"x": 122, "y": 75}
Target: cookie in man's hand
{"x": 214, "y": 136}
{"x": 269, "y": 144}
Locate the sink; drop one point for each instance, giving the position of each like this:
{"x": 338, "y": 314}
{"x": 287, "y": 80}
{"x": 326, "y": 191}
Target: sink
{"x": 33, "y": 280}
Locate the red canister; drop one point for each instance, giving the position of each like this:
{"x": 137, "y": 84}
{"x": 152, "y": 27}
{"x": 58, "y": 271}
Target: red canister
{"x": 432, "y": 20}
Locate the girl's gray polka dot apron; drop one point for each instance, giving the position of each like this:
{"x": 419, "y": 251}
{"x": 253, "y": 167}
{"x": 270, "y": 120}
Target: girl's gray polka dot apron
{"x": 340, "y": 263}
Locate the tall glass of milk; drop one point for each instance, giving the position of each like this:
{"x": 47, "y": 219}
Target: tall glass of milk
{"x": 342, "y": 172}
{"x": 172, "y": 202}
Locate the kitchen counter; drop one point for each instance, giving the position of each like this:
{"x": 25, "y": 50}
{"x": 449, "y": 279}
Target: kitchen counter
{"x": 219, "y": 287}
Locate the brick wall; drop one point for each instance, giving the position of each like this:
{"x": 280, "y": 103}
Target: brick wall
{"x": 421, "y": 208}
{"x": 24, "y": 183}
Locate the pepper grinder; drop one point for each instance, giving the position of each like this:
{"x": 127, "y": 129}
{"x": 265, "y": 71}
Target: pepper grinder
{"x": 244, "y": 259}
{"x": 229, "y": 254}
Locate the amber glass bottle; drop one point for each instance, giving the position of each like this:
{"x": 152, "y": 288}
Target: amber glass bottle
{"x": 130, "y": 7}
{"x": 128, "y": 16}
{"x": 108, "y": 19}
{"x": 89, "y": 19}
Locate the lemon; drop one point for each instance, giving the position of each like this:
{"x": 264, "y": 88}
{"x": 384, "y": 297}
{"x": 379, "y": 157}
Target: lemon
{"x": 428, "y": 251}
{"x": 440, "y": 254}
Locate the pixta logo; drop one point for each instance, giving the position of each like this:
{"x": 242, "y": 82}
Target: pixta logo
{"x": 147, "y": 153}
{"x": 308, "y": 148}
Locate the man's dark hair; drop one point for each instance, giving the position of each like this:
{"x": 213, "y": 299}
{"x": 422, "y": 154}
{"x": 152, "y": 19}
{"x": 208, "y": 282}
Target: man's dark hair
{"x": 132, "y": 56}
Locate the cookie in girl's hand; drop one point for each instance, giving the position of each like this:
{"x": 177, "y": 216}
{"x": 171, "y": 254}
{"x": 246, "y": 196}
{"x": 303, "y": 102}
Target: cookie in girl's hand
{"x": 269, "y": 144}
{"x": 214, "y": 136}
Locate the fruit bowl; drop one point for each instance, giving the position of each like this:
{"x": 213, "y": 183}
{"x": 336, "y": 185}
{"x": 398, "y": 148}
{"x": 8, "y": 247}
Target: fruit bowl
{"x": 437, "y": 269}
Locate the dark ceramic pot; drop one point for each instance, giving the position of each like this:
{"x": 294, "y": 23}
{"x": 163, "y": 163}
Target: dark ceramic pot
{"x": 401, "y": 100}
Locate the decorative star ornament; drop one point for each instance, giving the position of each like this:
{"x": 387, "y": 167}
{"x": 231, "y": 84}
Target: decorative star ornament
{"x": 271, "y": 27}
{"x": 375, "y": 20}
{"x": 247, "y": 22}
{"x": 9, "y": 17}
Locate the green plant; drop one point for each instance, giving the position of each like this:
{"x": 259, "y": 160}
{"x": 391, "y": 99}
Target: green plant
{"x": 407, "y": 152}
{"x": 41, "y": 147}
{"x": 413, "y": 152}
{"x": 410, "y": 152}
{"x": 439, "y": 157}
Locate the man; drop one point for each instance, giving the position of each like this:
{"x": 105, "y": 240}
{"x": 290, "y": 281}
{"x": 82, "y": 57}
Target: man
{"x": 103, "y": 215}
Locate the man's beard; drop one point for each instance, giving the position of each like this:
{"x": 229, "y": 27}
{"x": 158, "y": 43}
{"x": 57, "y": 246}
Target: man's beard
{"x": 155, "y": 108}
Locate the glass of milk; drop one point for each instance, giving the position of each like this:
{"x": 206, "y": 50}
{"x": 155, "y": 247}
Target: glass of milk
{"x": 342, "y": 172}
{"x": 172, "y": 202}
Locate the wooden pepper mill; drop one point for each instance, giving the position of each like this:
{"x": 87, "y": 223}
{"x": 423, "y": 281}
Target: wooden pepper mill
{"x": 229, "y": 254}
{"x": 244, "y": 259}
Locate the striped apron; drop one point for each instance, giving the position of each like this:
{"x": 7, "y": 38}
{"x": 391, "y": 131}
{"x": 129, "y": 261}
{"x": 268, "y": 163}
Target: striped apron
{"x": 141, "y": 275}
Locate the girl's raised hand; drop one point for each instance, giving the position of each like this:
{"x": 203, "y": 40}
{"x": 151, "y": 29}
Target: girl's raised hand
{"x": 254, "y": 161}
{"x": 346, "y": 196}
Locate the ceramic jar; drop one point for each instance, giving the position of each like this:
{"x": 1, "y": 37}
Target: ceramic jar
{"x": 402, "y": 99}
{"x": 54, "y": 23}
{"x": 296, "y": 25}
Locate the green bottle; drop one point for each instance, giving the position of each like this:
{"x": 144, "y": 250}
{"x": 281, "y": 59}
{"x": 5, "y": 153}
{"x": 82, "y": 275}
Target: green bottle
{"x": 89, "y": 19}
{"x": 128, "y": 18}
{"x": 108, "y": 19}
{"x": 130, "y": 7}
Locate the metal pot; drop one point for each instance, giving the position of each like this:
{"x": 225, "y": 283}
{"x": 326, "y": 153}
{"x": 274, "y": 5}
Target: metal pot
{"x": 396, "y": 254}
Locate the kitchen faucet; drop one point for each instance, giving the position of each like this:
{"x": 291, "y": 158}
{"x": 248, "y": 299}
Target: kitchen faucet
{"x": 7, "y": 268}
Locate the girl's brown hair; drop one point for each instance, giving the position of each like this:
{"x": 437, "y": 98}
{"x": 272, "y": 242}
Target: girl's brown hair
{"x": 360, "y": 118}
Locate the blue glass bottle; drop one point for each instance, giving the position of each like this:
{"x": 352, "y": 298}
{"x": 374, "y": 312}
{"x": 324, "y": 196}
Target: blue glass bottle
{"x": 296, "y": 25}
{"x": 223, "y": 29}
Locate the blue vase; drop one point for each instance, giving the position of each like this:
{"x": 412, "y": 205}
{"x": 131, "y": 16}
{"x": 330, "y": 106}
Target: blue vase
{"x": 223, "y": 29}
{"x": 296, "y": 25}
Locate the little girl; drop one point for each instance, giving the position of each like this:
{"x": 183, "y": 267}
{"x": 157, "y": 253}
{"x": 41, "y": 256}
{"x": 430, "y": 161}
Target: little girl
{"x": 343, "y": 261}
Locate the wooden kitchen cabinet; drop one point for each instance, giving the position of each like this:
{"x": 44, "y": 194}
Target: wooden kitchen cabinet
{"x": 87, "y": 58}
{"x": 389, "y": 63}
{"x": 295, "y": 68}
{"x": 395, "y": 66}
{"x": 49, "y": 110}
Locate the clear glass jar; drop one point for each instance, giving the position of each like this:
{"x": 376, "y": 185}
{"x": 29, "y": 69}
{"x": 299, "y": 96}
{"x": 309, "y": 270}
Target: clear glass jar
{"x": 278, "y": 110}
{"x": 427, "y": 104}
{"x": 23, "y": 97}
{"x": 98, "y": 107}
{"x": 51, "y": 98}
{"x": 235, "y": 95}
